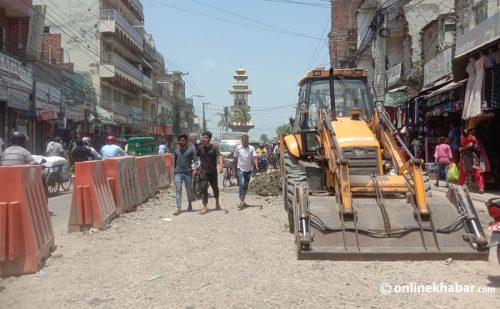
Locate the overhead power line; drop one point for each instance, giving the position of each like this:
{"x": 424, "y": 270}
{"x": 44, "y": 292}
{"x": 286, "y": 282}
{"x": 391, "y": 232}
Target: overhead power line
{"x": 232, "y": 21}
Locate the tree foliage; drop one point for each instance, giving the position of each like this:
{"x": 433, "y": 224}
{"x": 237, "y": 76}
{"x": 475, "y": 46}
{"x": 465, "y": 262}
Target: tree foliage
{"x": 225, "y": 119}
{"x": 264, "y": 138}
{"x": 241, "y": 116}
{"x": 284, "y": 128}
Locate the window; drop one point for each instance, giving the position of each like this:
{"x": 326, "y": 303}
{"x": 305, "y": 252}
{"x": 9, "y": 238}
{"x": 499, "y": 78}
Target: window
{"x": 117, "y": 96}
{"x": 349, "y": 93}
{"x": 449, "y": 26}
{"x": 106, "y": 93}
{"x": 481, "y": 12}
{"x": 126, "y": 99}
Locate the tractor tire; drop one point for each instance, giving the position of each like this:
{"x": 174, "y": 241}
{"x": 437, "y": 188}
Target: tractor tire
{"x": 293, "y": 176}
{"x": 291, "y": 165}
{"x": 293, "y": 179}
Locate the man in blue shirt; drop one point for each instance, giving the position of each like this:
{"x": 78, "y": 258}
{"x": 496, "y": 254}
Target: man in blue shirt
{"x": 454, "y": 141}
{"x": 111, "y": 149}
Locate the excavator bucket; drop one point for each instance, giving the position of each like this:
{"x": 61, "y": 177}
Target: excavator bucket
{"x": 391, "y": 230}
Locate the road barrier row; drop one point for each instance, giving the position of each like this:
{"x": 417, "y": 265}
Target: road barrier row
{"x": 101, "y": 190}
{"x": 26, "y": 233}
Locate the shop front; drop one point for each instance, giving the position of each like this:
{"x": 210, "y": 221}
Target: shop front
{"x": 15, "y": 105}
{"x": 477, "y": 59}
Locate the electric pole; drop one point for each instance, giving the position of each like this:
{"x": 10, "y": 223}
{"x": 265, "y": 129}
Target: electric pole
{"x": 204, "y": 120}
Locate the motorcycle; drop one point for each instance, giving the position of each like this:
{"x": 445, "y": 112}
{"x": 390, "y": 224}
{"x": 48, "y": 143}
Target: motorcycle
{"x": 493, "y": 206}
{"x": 262, "y": 161}
{"x": 55, "y": 173}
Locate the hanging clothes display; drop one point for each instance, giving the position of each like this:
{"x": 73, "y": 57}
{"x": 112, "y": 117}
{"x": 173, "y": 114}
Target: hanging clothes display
{"x": 495, "y": 82}
{"x": 489, "y": 64}
{"x": 474, "y": 107}
{"x": 470, "y": 86}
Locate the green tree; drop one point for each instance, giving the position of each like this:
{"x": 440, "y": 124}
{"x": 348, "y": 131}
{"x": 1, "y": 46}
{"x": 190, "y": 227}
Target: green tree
{"x": 241, "y": 116}
{"x": 225, "y": 119}
{"x": 284, "y": 128}
{"x": 263, "y": 138}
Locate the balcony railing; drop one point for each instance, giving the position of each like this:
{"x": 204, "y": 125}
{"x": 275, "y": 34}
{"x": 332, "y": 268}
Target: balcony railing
{"x": 121, "y": 108}
{"x": 107, "y": 104}
{"x": 153, "y": 55}
{"x": 122, "y": 64}
{"x": 158, "y": 89}
{"x": 110, "y": 14}
{"x": 138, "y": 5}
{"x": 147, "y": 82}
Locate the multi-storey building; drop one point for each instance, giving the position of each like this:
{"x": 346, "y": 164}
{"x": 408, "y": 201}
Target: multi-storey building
{"x": 15, "y": 76}
{"x": 106, "y": 38}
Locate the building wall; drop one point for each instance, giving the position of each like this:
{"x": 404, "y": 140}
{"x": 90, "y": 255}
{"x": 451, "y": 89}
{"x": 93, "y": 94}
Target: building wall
{"x": 80, "y": 31}
{"x": 430, "y": 38}
{"x": 465, "y": 14}
{"x": 51, "y": 48}
{"x": 343, "y": 35}
{"x": 15, "y": 34}
{"x": 418, "y": 14}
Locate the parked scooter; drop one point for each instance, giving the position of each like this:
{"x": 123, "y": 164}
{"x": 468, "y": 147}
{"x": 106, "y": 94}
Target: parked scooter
{"x": 493, "y": 206}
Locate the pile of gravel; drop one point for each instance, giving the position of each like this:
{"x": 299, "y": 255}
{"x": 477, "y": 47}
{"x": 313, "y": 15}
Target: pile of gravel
{"x": 266, "y": 184}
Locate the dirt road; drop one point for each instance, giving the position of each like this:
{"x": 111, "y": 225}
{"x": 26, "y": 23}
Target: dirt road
{"x": 227, "y": 258}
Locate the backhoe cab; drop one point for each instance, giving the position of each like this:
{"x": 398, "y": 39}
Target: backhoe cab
{"x": 348, "y": 191}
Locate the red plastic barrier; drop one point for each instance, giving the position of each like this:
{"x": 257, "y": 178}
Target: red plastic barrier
{"x": 142, "y": 179}
{"x": 152, "y": 175}
{"x": 92, "y": 203}
{"x": 169, "y": 164}
{"x": 120, "y": 173}
{"x": 26, "y": 233}
{"x": 161, "y": 170}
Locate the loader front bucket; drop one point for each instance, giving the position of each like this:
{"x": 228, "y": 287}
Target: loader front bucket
{"x": 393, "y": 231}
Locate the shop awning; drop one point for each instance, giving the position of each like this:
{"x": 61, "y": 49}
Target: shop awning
{"x": 445, "y": 88}
{"x": 103, "y": 116}
{"x": 435, "y": 86}
{"x": 484, "y": 34}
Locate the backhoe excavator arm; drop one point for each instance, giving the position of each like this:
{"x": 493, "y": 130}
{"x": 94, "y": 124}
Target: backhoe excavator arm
{"x": 411, "y": 169}
{"x": 337, "y": 164}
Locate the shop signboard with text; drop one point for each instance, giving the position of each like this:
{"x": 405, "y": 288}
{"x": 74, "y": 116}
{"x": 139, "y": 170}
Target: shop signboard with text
{"x": 35, "y": 32}
{"x": 47, "y": 96}
{"x": 16, "y": 78}
{"x": 394, "y": 74}
{"x": 483, "y": 34}
{"x": 438, "y": 67}
{"x": 46, "y": 114}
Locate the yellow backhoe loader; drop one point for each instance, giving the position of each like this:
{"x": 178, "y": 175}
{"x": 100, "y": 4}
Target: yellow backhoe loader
{"x": 348, "y": 190}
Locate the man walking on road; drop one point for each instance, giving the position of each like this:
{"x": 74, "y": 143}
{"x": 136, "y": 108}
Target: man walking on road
{"x": 54, "y": 148}
{"x": 244, "y": 155}
{"x": 207, "y": 154}
{"x": 184, "y": 157}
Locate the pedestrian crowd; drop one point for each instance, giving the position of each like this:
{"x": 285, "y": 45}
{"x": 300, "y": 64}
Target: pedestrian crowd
{"x": 459, "y": 156}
